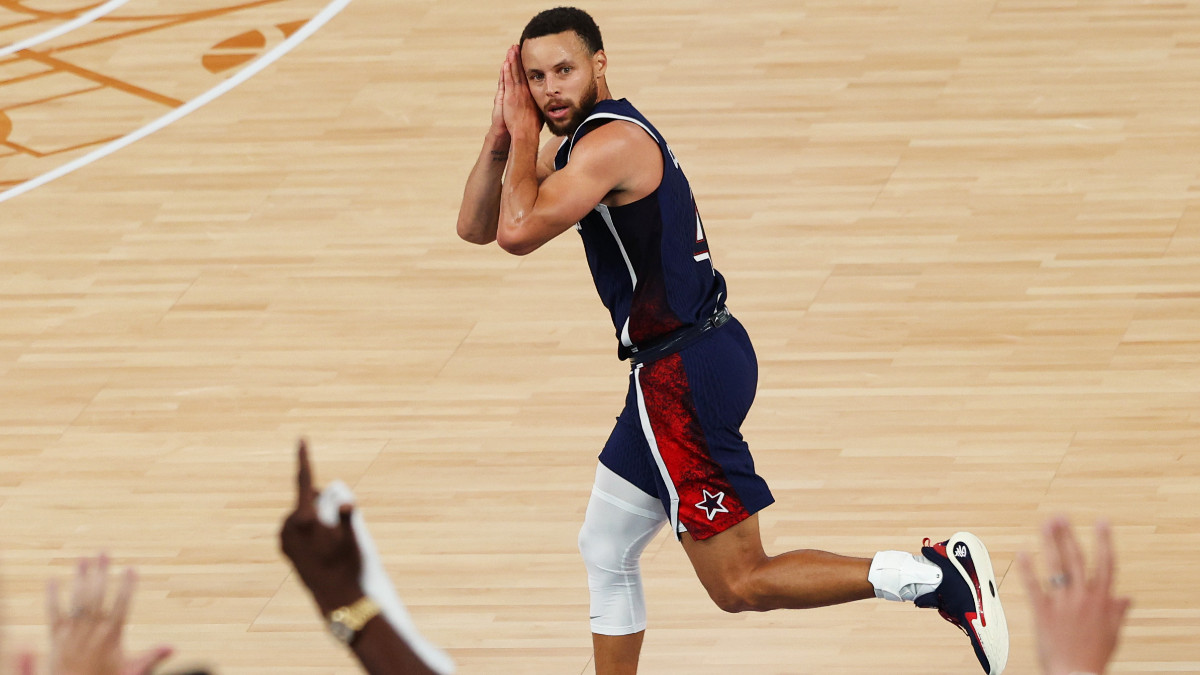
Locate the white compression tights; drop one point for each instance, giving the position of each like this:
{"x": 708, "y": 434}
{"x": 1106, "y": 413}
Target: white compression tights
{"x": 621, "y": 520}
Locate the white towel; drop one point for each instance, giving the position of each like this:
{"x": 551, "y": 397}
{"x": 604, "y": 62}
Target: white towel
{"x": 375, "y": 581}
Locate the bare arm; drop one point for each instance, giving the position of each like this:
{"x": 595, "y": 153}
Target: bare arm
{"x": 478, "y": 215}
{"x": 480, "y": 207}
{"x": 545, "y": 162}
{"x": 613, "y": 158}
{"x": 382, "y": 652}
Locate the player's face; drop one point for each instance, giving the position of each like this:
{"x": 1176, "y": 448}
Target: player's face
{"x": 563, "y": 79}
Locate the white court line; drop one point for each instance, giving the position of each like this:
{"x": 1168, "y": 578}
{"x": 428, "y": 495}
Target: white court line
{"x": 331, "y": 10}
{"x": 81, "y": 20}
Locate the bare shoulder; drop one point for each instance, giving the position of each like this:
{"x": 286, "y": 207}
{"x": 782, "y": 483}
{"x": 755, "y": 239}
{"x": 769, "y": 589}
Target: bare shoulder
{"x": 624, "y": 151}
{"x": 617, "y": 137}
{"x": 545, "y": 163}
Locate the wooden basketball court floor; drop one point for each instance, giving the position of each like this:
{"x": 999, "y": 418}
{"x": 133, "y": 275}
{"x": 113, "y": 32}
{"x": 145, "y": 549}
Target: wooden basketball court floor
{"x": 965, "y": 237}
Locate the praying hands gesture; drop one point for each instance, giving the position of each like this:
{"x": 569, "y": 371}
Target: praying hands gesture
{"x": 519, "y": 110}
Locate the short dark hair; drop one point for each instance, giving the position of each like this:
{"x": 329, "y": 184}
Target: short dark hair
{"x": 562, "y": 19}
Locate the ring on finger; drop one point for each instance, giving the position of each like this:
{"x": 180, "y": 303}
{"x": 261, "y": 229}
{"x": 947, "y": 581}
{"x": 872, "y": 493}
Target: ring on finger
{"x": 1060, "y": 580}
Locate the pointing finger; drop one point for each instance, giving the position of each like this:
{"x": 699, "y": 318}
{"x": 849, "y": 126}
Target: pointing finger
{"x": 304, "y": 483}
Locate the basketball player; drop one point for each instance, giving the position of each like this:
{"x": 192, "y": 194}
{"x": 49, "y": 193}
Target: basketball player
{"x": 676, "y": 455}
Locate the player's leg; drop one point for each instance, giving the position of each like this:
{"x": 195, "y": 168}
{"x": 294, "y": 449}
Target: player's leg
{"x": 739, "y": 575}
{"x": 693, "y": 405}
{"x": 621, "y": 520}
{"x": 617, "y": 654}
{"x": 954, "y": 577}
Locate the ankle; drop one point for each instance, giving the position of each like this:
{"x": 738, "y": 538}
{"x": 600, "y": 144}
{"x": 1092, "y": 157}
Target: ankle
{"x": 901, "y": 576}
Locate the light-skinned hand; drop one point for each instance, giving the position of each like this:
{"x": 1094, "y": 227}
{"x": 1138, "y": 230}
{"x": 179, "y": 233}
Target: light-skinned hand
{"x": 1076, "y": 616}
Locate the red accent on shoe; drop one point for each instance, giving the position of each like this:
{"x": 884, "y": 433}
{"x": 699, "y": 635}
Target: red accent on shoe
{"x": 973, "y": 615}
{"x": 972, "y": 626}
{"x": 978, "y": 596}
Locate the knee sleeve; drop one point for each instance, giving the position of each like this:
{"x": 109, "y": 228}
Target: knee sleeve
{"x": 621, "y": 520}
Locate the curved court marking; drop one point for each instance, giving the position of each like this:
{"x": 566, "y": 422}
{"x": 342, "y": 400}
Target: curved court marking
{"x": 331, "y": 10}
{"x": 81, "y": 20}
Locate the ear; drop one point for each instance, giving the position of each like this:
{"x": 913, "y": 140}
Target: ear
{"x": 599, "y": 64}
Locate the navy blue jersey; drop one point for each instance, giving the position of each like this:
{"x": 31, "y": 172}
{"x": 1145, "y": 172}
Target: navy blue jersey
{"x": 649, "y": 258}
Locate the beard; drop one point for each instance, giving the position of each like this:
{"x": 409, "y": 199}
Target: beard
{"x": 577, "y": 115}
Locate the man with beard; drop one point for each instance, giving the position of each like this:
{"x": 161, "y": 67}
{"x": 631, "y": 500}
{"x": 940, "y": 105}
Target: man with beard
{"x": 676, "y": 454}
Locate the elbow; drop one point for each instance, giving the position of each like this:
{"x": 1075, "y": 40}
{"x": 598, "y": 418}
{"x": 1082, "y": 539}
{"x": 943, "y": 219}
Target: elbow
{"x": 510, "y": 237}
{"x": 516, "y": 247}
{"x": 468, "y": 232}
{"x": 473, "y": 237}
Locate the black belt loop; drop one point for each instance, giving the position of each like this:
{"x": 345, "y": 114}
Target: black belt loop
{"x": 675, "y": 342}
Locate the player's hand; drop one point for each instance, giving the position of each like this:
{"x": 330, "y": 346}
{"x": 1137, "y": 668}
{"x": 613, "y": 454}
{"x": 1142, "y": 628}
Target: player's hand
{"x": 1076, "y": 618}
{"x": 326, "y": 558}
{"x": 86, "y": 639}
{"x": 521, "y": 114}
{"x": 499, "y": 129}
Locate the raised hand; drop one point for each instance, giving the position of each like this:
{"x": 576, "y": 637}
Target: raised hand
{"x": 86, "y": 639}
{"x": 326, "y": 558}
{"x": 499, "y": 129}
{"x": 1076, "y": 617}
{"x": 520, "y": 111}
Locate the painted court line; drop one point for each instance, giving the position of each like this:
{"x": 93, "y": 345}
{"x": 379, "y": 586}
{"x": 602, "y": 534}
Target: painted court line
{"x": 331, "y": 10}
{"x": 81, "y": 20}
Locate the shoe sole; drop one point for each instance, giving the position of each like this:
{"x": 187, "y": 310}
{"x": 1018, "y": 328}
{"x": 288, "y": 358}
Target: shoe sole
{"x": 994, "y": 636}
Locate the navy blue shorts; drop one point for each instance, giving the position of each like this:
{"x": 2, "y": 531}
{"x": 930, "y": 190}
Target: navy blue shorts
{"x": 679, "y": 436}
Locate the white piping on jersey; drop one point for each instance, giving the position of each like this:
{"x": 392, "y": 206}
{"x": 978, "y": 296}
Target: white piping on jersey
{"x": 648, "y": 432}
{"x": 700, "y": 238}
{"x": 608, "y": 116}
{"x": 607, "y": 216}
{"x": 603, "y": 209}
{"x": 604, "y": 213}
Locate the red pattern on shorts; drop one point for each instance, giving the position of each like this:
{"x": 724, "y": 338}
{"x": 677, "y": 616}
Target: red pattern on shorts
{"x": 650, "y": 315}
{"x": 684, "y": 450}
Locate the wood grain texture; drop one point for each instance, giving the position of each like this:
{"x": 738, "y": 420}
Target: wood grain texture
{"x": 965, "y": 237}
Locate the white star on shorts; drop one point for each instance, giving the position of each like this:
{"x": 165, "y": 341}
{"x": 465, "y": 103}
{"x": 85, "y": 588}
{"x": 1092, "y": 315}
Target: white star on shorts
{"x": 713, "y": 504}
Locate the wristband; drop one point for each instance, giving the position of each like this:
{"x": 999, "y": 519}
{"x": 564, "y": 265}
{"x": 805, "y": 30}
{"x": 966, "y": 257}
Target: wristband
{"x": 375, "y": 581}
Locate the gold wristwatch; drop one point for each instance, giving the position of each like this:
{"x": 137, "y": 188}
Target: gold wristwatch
{"x": 346, "y": 622}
